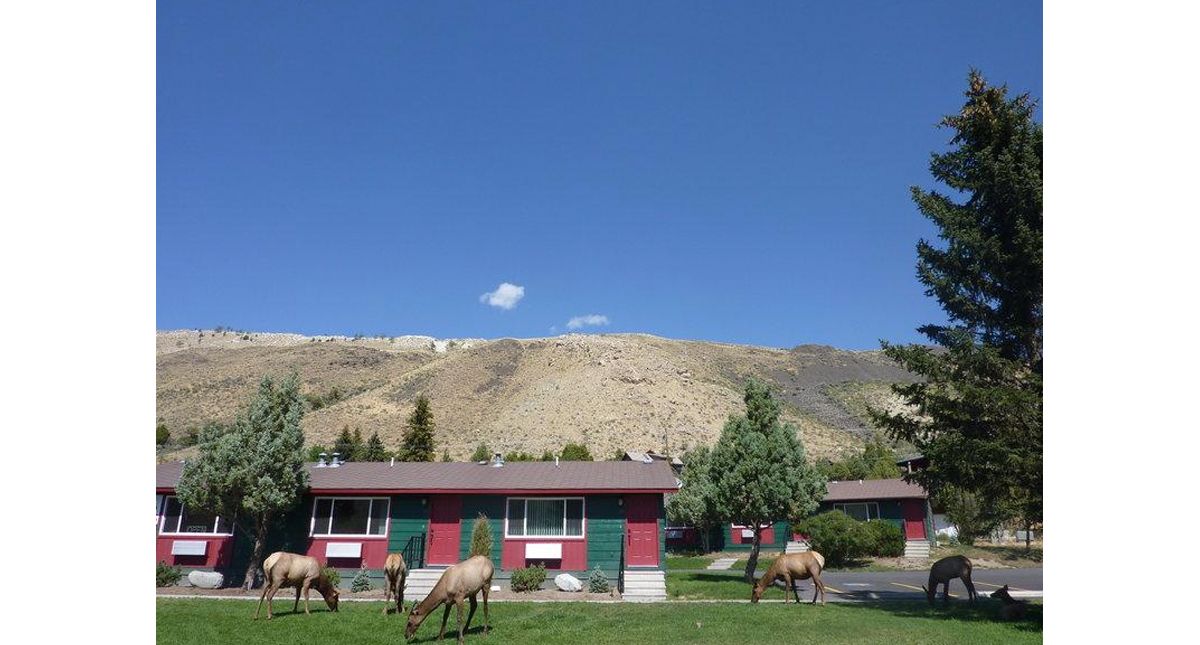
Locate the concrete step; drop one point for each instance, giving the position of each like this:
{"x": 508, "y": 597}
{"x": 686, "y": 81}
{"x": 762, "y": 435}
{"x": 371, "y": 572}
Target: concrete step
{"x": 796, "y": 547}
{"x": 916, "y": 549}
{"x": 645, "y": 585}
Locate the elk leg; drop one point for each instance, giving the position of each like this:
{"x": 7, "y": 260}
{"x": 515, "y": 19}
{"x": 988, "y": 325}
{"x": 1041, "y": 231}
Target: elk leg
{"x": 445, "y": 617}
{"x": 387, "y": 593}
{"x": 486, "y": 588}
{"x": 307, "y": 583}
{"x": 458, "y": 602}
{"x": 296, "y": 607}
{"x": 970, "y": 588}
{"x": 946, "y": 593}
{"x": 471, "y": 614}
{"x": 271, "y": 601}
{"x": 260, "y": 600}
{"x": 400, "y": 593}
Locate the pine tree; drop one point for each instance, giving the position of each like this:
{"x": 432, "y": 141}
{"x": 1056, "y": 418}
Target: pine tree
{"x": 976, "y": 414}
{"x": 759, "y": 472}
{"x": 358, "y": 449}
{"x": 254, "y": 470}
{"x": 418, "y": 444}
{"x": 446, "y": 456}
{"x": 375, "y": 450}
{"x": 344, "y": 446}
{"x": 482, "y": 453}
{"x": 576, "y": 452}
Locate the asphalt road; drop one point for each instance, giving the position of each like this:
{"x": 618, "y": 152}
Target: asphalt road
{"x": 846, "y": 586}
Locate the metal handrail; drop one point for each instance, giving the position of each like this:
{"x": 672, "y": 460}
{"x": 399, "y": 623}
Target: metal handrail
{"x": 414, "y": 552}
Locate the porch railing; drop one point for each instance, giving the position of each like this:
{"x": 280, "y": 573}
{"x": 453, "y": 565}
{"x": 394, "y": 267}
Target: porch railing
{"x": 414, "y": 552}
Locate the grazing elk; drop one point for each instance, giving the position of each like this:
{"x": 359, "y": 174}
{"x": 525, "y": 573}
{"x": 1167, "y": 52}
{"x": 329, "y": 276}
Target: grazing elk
{"x": 1012, "y": 609}
{"x": 458, "y": 584}
{"x": 395, "y": 572}
{"x": 282, "y": 569}
{"x": 945, "y": 570}
{"x": 792, "y": 568}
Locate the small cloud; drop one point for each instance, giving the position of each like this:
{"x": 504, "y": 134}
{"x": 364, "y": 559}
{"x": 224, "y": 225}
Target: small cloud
{"x": 506, "y": 296}
{"x": 587, "y": 321}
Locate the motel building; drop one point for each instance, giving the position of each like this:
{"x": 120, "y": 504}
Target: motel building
{"x": 570, "y": 516}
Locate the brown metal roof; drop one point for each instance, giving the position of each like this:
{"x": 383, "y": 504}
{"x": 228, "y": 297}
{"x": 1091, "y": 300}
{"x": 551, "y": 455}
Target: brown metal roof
{"x": 459, "y": 477}
{"x": 873, "y": 489}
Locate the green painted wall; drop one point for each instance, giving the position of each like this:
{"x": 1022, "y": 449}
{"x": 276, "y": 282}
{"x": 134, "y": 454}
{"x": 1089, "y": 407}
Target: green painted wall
{"x": 408, "y": 518}
{"x": 605, "y": 534}
{"x": 491, "y": 506}
{"x": 724, "y": 541}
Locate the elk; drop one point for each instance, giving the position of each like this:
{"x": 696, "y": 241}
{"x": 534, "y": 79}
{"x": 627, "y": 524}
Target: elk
{"x": 1012, "y": 609}
{"x": 945, "y": 570}
{"x": 395, "y": 572}
{"x": 793, "y": 567}
{"x": 283, "y": 569}
{"x": 457, "y": 584}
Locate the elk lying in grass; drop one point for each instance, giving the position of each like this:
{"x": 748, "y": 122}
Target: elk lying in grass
{"x": 1012, "y": 609}
{"x": 945, "y": 570}
{"x": 282, "y": 569}
{"x": 792, "y": 568}
{"x": 458, "y": 584}
{"x": 395, "y": 572}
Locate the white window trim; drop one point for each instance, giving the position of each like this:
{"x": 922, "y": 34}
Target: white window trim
{"x": 162, "y": 520}
{"x": 871, "y": 517}
{"x": 765, "y": 525}
{"x": 387, "y": 519}
{"x": 551, "y": 538}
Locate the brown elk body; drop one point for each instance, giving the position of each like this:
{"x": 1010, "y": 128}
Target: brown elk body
{"x": 458, "y": 584}
{"x": 945, "y": 570}
{"x": 395, "y": 572}
{"x": 1012, "y": 609}
{"x": 283, "y": 569}
{"x": 792, "y": 568}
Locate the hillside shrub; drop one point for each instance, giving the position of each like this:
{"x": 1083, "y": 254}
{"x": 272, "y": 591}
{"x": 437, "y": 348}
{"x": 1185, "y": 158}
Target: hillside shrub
{"x": 576, "y": 452}
{"x": 598, "y": 582}
{"x": 837, "y": 536}
{"x": 885, "y": 538}
{"x": 361, "y": 582}
{"x": 332, "y": 576}
{"x": 528, "y": 579}
{"x": 166, "y": 575}
{"x": 161, "y": 434}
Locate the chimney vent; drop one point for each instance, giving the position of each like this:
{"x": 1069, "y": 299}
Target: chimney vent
{"x": 321, "y": 460}
{"x": 497, "y": 460}
{"x": 393, "y": 464}
{"x": 337, "y": 460}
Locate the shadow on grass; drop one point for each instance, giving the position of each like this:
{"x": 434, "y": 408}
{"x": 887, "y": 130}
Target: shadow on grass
{"x": 452, "y": 633}
{"x": 983, "y": 611}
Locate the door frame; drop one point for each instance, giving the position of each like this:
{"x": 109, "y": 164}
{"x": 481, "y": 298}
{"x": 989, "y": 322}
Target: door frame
{"x": 648, "y": 514}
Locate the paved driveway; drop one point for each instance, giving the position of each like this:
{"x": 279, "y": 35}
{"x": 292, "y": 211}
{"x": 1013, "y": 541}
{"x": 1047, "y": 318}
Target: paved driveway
{"x": 906, "y": 585}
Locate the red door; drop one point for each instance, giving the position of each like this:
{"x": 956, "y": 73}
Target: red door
{"x": 444, "y": 513}
{"x": 914, "y": 519}
{"x": 641, "y": 530}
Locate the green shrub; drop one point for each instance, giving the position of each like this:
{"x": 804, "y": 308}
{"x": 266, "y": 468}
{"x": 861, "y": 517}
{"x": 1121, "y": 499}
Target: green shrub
{"x": 528, "y": 579}
{"x": 481, "y": 536}
{"x": 361, "y": 582}
{"x": 576, "y": 452}
{"x": 886, "y": 539}
{"x": 332, "y": 576}
{"x": 166, "y": 575}
{"x": 837, "y": 536}
{"x": 482, "y": 453}
{"x": 161, "y": 434}
{"x": 598, "y": 582}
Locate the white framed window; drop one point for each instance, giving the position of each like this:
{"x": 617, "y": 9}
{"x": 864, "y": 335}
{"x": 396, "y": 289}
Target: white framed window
{"x": 549, "y": 517}
{"x": 350, "y": 516}
{"x": 177, "y": 520}
{"x": 862, "y": 511}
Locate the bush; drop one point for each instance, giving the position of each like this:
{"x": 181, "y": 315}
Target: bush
{"x": 482, "y": 453}
{"x": 528, "y": 579}
{"x": 166, "y": 575}
{"x": 361, "y": 582}
{"x": 332, "y": 576}
{"x": 481, "y": 536}
{"x": 576, "y": 452}
{"x": 837, "y": 536}
{"x": 598, "y": 582}
{"x": 886, "y": 539}
{"x": 161, "y": 434}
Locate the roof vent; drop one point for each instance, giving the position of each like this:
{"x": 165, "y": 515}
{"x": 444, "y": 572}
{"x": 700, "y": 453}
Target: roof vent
{"x": 556, "y": 461}
{"x": 647, "y": 459}
{"x": 497, "y": 460}
{"x": 321, "y": 460}
{"x": 336, "y": 461}
{"x": 393, "y": 464}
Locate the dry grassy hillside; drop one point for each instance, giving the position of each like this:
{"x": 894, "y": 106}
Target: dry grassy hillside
{"x": 608, "y": 391}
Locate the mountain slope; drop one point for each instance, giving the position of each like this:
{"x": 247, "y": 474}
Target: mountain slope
{"x": 624, "y": 391}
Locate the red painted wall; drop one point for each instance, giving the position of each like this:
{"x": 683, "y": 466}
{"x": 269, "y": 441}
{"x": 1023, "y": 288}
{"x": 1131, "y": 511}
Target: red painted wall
{"x": 220, "y": 549}
{"x": 512, "y": 554}
{"x": 374, "y": 552}
{"x": 768, "y": 536}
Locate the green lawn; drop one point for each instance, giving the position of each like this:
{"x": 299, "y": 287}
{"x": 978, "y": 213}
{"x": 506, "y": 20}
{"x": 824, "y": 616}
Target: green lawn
{"x": 678, "y": 562}
{"x": 205, "y": 622}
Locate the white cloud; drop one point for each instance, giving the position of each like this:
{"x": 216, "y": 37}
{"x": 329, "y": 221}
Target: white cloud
{"x": 588, "y": 320}
{"x": 506, "y": 296}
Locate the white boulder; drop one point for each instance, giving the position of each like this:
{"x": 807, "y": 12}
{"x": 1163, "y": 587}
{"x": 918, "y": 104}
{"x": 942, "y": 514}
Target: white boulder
{"x": 206, "y": 579}
{"x": 567, "y": 582}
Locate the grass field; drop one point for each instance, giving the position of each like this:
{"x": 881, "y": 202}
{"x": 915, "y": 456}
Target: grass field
{"x": 187, "y": 621}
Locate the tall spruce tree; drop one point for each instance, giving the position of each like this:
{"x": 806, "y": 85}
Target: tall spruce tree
{"x": 254, "y": 470}
{"x": 759, "y": 472}
{"x": 977, "y": 413}
{"x": 417, "y": 444}
{"x": 375, "y": 450}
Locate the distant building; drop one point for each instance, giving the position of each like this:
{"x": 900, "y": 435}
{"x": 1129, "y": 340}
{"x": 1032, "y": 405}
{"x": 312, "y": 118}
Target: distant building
{"x": 912, "y": 462}
{"x": 650, "y": 455}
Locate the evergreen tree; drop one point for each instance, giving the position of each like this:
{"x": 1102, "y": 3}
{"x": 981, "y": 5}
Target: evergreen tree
{"x": 758, "y": 470}
{"x": 344, "y": 446}
{"x": 254, "y": 471}
{"x": 358, "y": 449}
{"x": 161, "y": 434}
{"x": 314, "y": 452}
{"x": 876, "y": 461}
{"x": 482, "y": 453}
{"x": 696, "y": 502}
{"x": 374, "y": 450}
{"x": 418, "y": 444}
{"x": 576, "y": 452}
{"x": 547, "y": 456}
{"x": 446, "y": 456}
{"x": 481, "y": 536}
{"x": 976, "y": 414}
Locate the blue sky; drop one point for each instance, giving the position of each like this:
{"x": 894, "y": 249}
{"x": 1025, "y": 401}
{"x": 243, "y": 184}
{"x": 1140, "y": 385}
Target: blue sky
{"x": 736, "y": 172}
